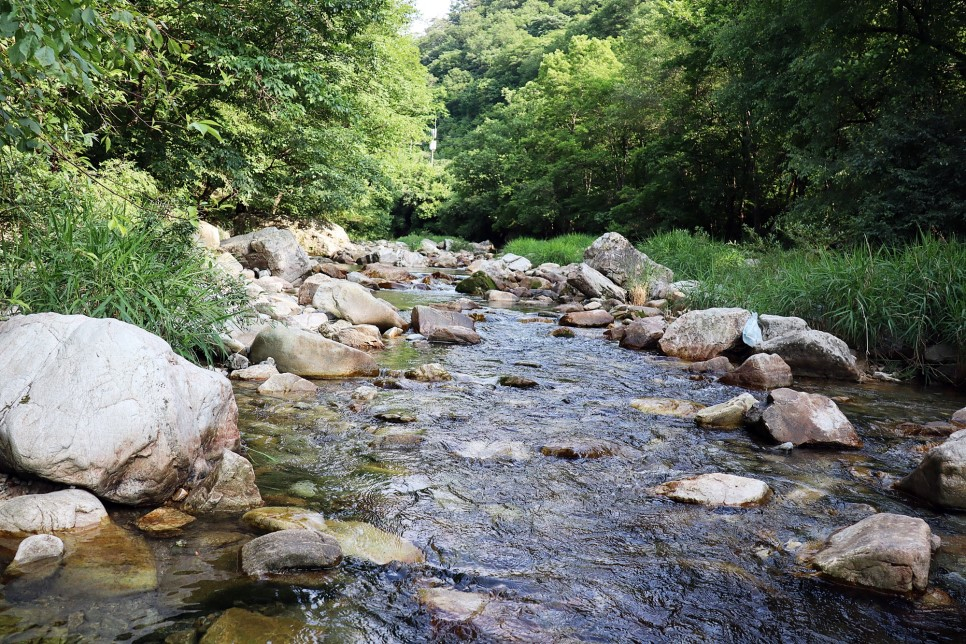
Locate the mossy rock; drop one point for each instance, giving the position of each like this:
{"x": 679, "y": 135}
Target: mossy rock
{"x": 479, "y": 283}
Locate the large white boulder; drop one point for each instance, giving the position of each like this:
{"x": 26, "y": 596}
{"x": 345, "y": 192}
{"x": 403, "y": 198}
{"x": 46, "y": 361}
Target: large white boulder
{"x": 352, "y": 302}
{"x": 272, "y": 249}
{"x": 941, "y": 476}
{"x": 109, "y": 407}
{"x": 593, "y": 283}
{"x": 616, "y": 258}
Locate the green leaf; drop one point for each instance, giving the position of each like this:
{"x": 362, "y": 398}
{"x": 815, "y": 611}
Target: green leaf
{"x": 46, "y": 56}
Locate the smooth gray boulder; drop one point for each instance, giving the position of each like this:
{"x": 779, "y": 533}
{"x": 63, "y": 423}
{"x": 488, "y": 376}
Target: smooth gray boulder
{"x": 617, "y": 259}
{"x": 814, "y": 353}
{"x": 37, "y": 548}
{"x": 108, "y": 407}
{"x": 310, "y": 355}
{"x": 229, "y": 488}
{"x": 592, "y": 283}
{"x": 702, "y": 335}
{"x": 51, "y": 512}
{"x": 356, "y": 304}
{"x": 270, "y": 249}
{"x": 890, "y": 552}
{"x": 940, "y": 477}
{"x": 289, "y": 551}
{"x": 775, "y": 326}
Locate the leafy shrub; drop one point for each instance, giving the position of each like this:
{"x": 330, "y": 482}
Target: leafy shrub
{"x": 565, "y": 249}
{"x": 73, "y": 251}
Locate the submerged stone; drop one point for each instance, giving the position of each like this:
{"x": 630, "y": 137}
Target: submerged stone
{"x": 717, "y": 489}
{"x": 270, "y": 519}
{"x": 366, "y": 541}
{"x": 238, "y": 625}
{"x": 667, "y": 407}
{"x": 163, "y": 521}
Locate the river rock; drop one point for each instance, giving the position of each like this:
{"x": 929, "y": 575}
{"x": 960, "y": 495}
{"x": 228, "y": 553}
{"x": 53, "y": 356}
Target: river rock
{"x": 501, "y": 297}
{"x": 239, "y": 625}
{"x": 775, "y": 326}
{"x": 229, "y": 489}
{"x": 702, "y": 335}
{"x": 478, "y": 283}
{"x": 454, "y": 335}
{"x": 941, "y": 476}
{"x": 814, "y": 353}
{"x": 581, "y": 448}
{"x": 272, "y": 249}
{"x": 426, "y": 320}
{"x": 518, "y": 382}
{"x": 286, "y": 384}
{"x": 714, "y": 366}
{"x": 431, "y": 372}
{"x": 347, "y": 301}
{"x": 516, "y": 262}
{"x": 616, "y": 258}
{"x": 366, "y": 541}
{"x": 163, "y": 521}
{"x": 717, "y": 490}
{"x": 587, "y": 319}
{"x": 256, "y": 373}
{"x": 806, "y": 419}
{"x": 727, "y": 415}
{"x": 495, "y": 450}
{"x": 386, "y": 272}
{"x": 271, "y": 519}
{"x": 323, "y": 239}
{"x": 667, "y": 407}
{"x": 51, "y": 512}
{"x": 109, "y": 407}
{"x": 643, "y": 333}
{"x": 885, "y": 551}
{"x": 959, "y": 418}
{"x": 35, "y": 551}
{"x": 593, "y": 283}
{"x": 562, "y": 332}
{"x": 364, "y": 337}
{"x": 289, "y": 551}
{"x": 760, "y": 371}
{"x": 310, "y": 355}
{"x": 310, "y": 285}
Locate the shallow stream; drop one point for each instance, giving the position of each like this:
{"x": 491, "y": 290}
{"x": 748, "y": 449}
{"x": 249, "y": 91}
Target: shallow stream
{"x": 571, "y": 550}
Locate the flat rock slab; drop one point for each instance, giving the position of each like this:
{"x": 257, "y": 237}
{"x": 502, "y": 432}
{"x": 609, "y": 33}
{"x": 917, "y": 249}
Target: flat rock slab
{"x": 289, "y": 551}
{"x": 495, "y": 450}
{"x": 366, "y": 541}
{"x": 163, "y": 521}
{"x": 667, "y": 407}
{"x": 575, "y": 448}
{"x": 717, "y": 490}
{"x": 807, "y": 420}
{"x": 587, "y": 319}
{"x": 271, "y": 519}
{"x": 52, "y": 512}
{"x": 239, "y": 625}
{"x": 454, "y": 335}
{"x": 885, "y": 551}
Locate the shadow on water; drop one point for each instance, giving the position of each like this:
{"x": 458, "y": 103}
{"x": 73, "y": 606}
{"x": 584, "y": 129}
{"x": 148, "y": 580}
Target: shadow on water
{"x": 581, "y": 549}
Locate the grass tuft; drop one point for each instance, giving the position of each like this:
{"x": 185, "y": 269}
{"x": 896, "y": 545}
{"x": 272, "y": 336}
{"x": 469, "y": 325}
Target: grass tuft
{"x": 566, "y": 249}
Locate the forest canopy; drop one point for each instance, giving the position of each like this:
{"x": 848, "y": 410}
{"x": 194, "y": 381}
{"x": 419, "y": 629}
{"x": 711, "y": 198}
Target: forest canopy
{"x": 822, "y": 121}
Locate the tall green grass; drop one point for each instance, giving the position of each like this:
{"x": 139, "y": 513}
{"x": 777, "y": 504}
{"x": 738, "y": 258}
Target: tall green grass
{"x": 565, "y": 249}
{"x": 889, "y": 302}
{"x": 69, "y": 250}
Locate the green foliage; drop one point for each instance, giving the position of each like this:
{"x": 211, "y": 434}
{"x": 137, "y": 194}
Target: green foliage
{"x": 826, "y": 121}
{"x": 890, "y": 302}
{"x": 414, "y": 239}
{"x": 74, "y": 249}
{"x": 564, "y": 249}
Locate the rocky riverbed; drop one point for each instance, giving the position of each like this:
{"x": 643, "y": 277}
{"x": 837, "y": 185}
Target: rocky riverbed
{"x": 528, "y": 486}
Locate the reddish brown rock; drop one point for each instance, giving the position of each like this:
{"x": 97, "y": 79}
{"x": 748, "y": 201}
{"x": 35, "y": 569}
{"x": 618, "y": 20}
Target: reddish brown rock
{"x": 761, "y": 371}
{"x": 643, "y": 333}
{"x": 587, "y": 319}
{"x": 810, "y": 420}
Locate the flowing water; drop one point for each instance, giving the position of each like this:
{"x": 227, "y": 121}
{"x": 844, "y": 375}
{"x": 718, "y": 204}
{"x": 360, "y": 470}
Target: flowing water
{"x": 569, "y": 550}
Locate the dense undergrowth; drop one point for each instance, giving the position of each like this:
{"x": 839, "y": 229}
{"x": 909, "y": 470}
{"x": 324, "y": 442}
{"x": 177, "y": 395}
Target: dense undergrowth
{"x": 890, "y": 302}
{"x": 71, "y": 245}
